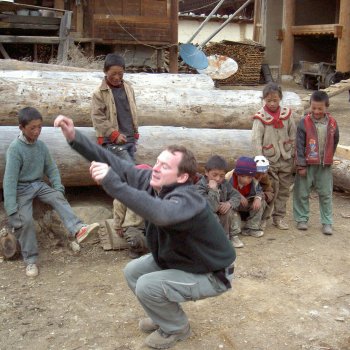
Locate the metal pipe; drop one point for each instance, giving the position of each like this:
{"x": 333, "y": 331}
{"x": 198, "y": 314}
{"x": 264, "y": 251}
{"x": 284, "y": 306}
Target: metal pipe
{"x": 205, "y": 21}
{"x": 226, "y": 22}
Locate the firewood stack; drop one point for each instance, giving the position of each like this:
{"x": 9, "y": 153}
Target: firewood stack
{"x": 248, "y": 55}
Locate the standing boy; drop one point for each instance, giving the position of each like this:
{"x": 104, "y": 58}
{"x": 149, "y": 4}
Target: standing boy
{"x": 316, "y": 142}
{"x": 27, "y": 161}
{"x": 252, "y": 202}
{"x": 113, "y": 110}
{"x": 190, "y": 256}
{"x": 222, "y": 198}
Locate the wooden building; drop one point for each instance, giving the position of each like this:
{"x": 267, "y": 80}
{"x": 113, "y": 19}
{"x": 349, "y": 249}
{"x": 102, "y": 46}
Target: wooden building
{"x": 103, "y": 26}
{"x": 303, "y": 30}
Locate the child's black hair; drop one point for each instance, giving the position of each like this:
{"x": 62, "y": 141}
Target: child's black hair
{"x": 272, "y": 87}
{"x": 216, "y": 162}
{"x": 320, "y": 96}
{"x": 113, "y": 59}
{"x": 27, "y": 114}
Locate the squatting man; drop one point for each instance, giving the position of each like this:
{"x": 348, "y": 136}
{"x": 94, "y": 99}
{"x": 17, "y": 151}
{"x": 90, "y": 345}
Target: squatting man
{"x": 191, "y": 258}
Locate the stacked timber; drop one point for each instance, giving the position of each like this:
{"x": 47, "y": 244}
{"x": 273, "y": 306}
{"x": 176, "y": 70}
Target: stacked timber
{"x": 248, "y": 55}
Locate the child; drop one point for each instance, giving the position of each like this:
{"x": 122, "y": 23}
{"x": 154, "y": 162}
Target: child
{"x": 273, "y": 136}
{"x": 317, "y": 140}
{"x": 27, "y": 161}
{"x": 113, "y": 110}
{"x": 252, "y": 203}
{"x": 262, "y": 176}
{"x": 221, "y": 197}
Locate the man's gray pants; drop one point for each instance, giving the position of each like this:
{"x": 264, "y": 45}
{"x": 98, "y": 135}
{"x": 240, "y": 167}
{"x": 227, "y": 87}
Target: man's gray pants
{"x": 160, "y": 291}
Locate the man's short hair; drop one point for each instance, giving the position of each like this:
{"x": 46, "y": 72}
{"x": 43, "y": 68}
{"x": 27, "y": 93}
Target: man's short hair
{"x": 216, "y": 162}
{"x": 27, "y": 114}
{"x": 188, "y": 163}
{"x": 113, "y": 59}
{"x": 320, "y": 96}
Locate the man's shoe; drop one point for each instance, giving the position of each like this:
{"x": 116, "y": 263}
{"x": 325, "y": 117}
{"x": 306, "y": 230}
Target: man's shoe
{"x": 32, "y": 270}
{"x": 302, "y": 225}
{"x": 280, "y": 223}
{"x": 327, "y": 229}
{"x": 85, "y": 231}
{"x": 236, "y": 242}
{"x": 263, "y": 224}
{"x": 254, "y": 233}
{"x": 146, "y": 325}
{"x": 161, "y": 340}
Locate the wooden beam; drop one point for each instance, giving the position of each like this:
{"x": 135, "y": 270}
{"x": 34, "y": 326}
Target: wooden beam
{"x": 257, "y": 21}
{"x": 29, "y": 39}
{"x": 343, "y": 50}
{"x": 173, "y": 51}
{"x": 287, "y": 45}
{"x": 318, "y": 29}
{"x": 3, "y": 51}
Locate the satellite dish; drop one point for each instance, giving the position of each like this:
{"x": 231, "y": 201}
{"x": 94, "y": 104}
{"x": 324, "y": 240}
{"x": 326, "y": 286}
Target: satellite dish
{"x": 192, "y": 56}
{"x": 220, "y": 67}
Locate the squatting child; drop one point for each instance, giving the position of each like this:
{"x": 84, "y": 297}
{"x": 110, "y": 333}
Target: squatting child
{"x": 27, "y": 161}
{"x": 222, "y": 198}
{"x": 252, "y": 202}
{"x": 113, "y": 110}
{"x": 273, "y": 135}
{"x": 316, "y": 142}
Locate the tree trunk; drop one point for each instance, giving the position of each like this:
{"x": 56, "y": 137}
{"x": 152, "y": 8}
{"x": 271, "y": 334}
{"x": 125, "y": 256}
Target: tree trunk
{"x": 166, "y": 105}
{"x": 204, "y": 143}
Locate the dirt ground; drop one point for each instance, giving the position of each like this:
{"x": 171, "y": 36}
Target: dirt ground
{"x": 291, "y": 291}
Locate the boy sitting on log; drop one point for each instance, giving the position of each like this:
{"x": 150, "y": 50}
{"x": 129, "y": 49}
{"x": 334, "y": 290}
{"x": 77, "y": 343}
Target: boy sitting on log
{"x": 113, "y": 110}
{"x": 27, "y": 161}
{"x": 222, "y": 198}
{"x": 252, "y": 202}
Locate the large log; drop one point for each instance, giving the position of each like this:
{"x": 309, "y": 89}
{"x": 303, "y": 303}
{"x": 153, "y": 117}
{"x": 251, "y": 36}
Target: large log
{"x": 204, "y": 143}
{"x": 74, "y": 169}
{"x": 166, "y": 105}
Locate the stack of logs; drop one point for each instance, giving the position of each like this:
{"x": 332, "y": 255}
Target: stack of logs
{"x": 248, "y": 55}
{"x": 173, "y": 109}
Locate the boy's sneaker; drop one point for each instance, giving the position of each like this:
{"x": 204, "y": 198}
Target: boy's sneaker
{"x": 236, "y": 242}
{"x": 146, "y": 325}
{"x": 280, "y": 223}
{"x": 32, "y": 270}
{"x": 327, "y": 229}
{"x": 85, "y": 231}
{"x": 302, "y": 225}
{"x": 254, "y": 233}
{"x": 161, "y": 340}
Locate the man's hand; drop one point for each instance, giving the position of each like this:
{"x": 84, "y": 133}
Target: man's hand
{"x": 224, "y": 207}
{"x": 67, "y": 126}
{"x": 302, "y": 171}
{"x": 269, "y": 196}
{"x": 256, "y": 204}
{"x": 120, "y": 232}
{"x": 244, "y": 202}
{"x": 212, "y": 184}
{"x": 98, "y": 171}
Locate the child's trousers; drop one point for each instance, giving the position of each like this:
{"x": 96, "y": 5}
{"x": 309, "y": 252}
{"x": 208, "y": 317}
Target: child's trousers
{"x": 23, "y": 223}
{"x": 320, "y": 178}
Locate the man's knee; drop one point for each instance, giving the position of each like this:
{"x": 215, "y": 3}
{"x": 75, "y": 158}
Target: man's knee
{"x": 148, "y": 288}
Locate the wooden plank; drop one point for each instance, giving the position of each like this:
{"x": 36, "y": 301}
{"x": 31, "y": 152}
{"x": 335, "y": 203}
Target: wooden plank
{"x": 3, "y": 52}
{"x": 29, "y": 39}
{"x": 11, "y": 6}
{"x": 31, "y": 19}
{"x": 107, "y": 19}
{"x": 316, "y": 29}
{"x": 29, "y": 26}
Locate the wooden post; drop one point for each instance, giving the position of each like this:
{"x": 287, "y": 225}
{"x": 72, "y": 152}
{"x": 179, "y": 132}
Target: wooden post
{"x": 287, "y": 49}
{"x": 343, "y": 51}
{"x": 257, "y": 21}
{"x": 4, "y": 52}
{"x": 173, "y": 51}
{"x": 64, "y": 36}
{"x": 159, "y": 59}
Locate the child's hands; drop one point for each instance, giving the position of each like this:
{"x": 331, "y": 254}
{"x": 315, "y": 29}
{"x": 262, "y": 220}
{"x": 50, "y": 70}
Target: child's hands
{"x": 120, "y": 139}
{"x": 98, "y": 171}
{"x": 302, "y": 171}
{"x": 120, "y": 232}
{"x": 213, "y": 184}
{"x": 224, "y": 207}
{"x": 67, "y": 126}
{"x": 244, "y": 201}
{"x": 256, "y": 204}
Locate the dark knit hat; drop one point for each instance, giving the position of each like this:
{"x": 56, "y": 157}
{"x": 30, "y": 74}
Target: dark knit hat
{"x": 112, "y": 59}
{"x": 245, "y": 166}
